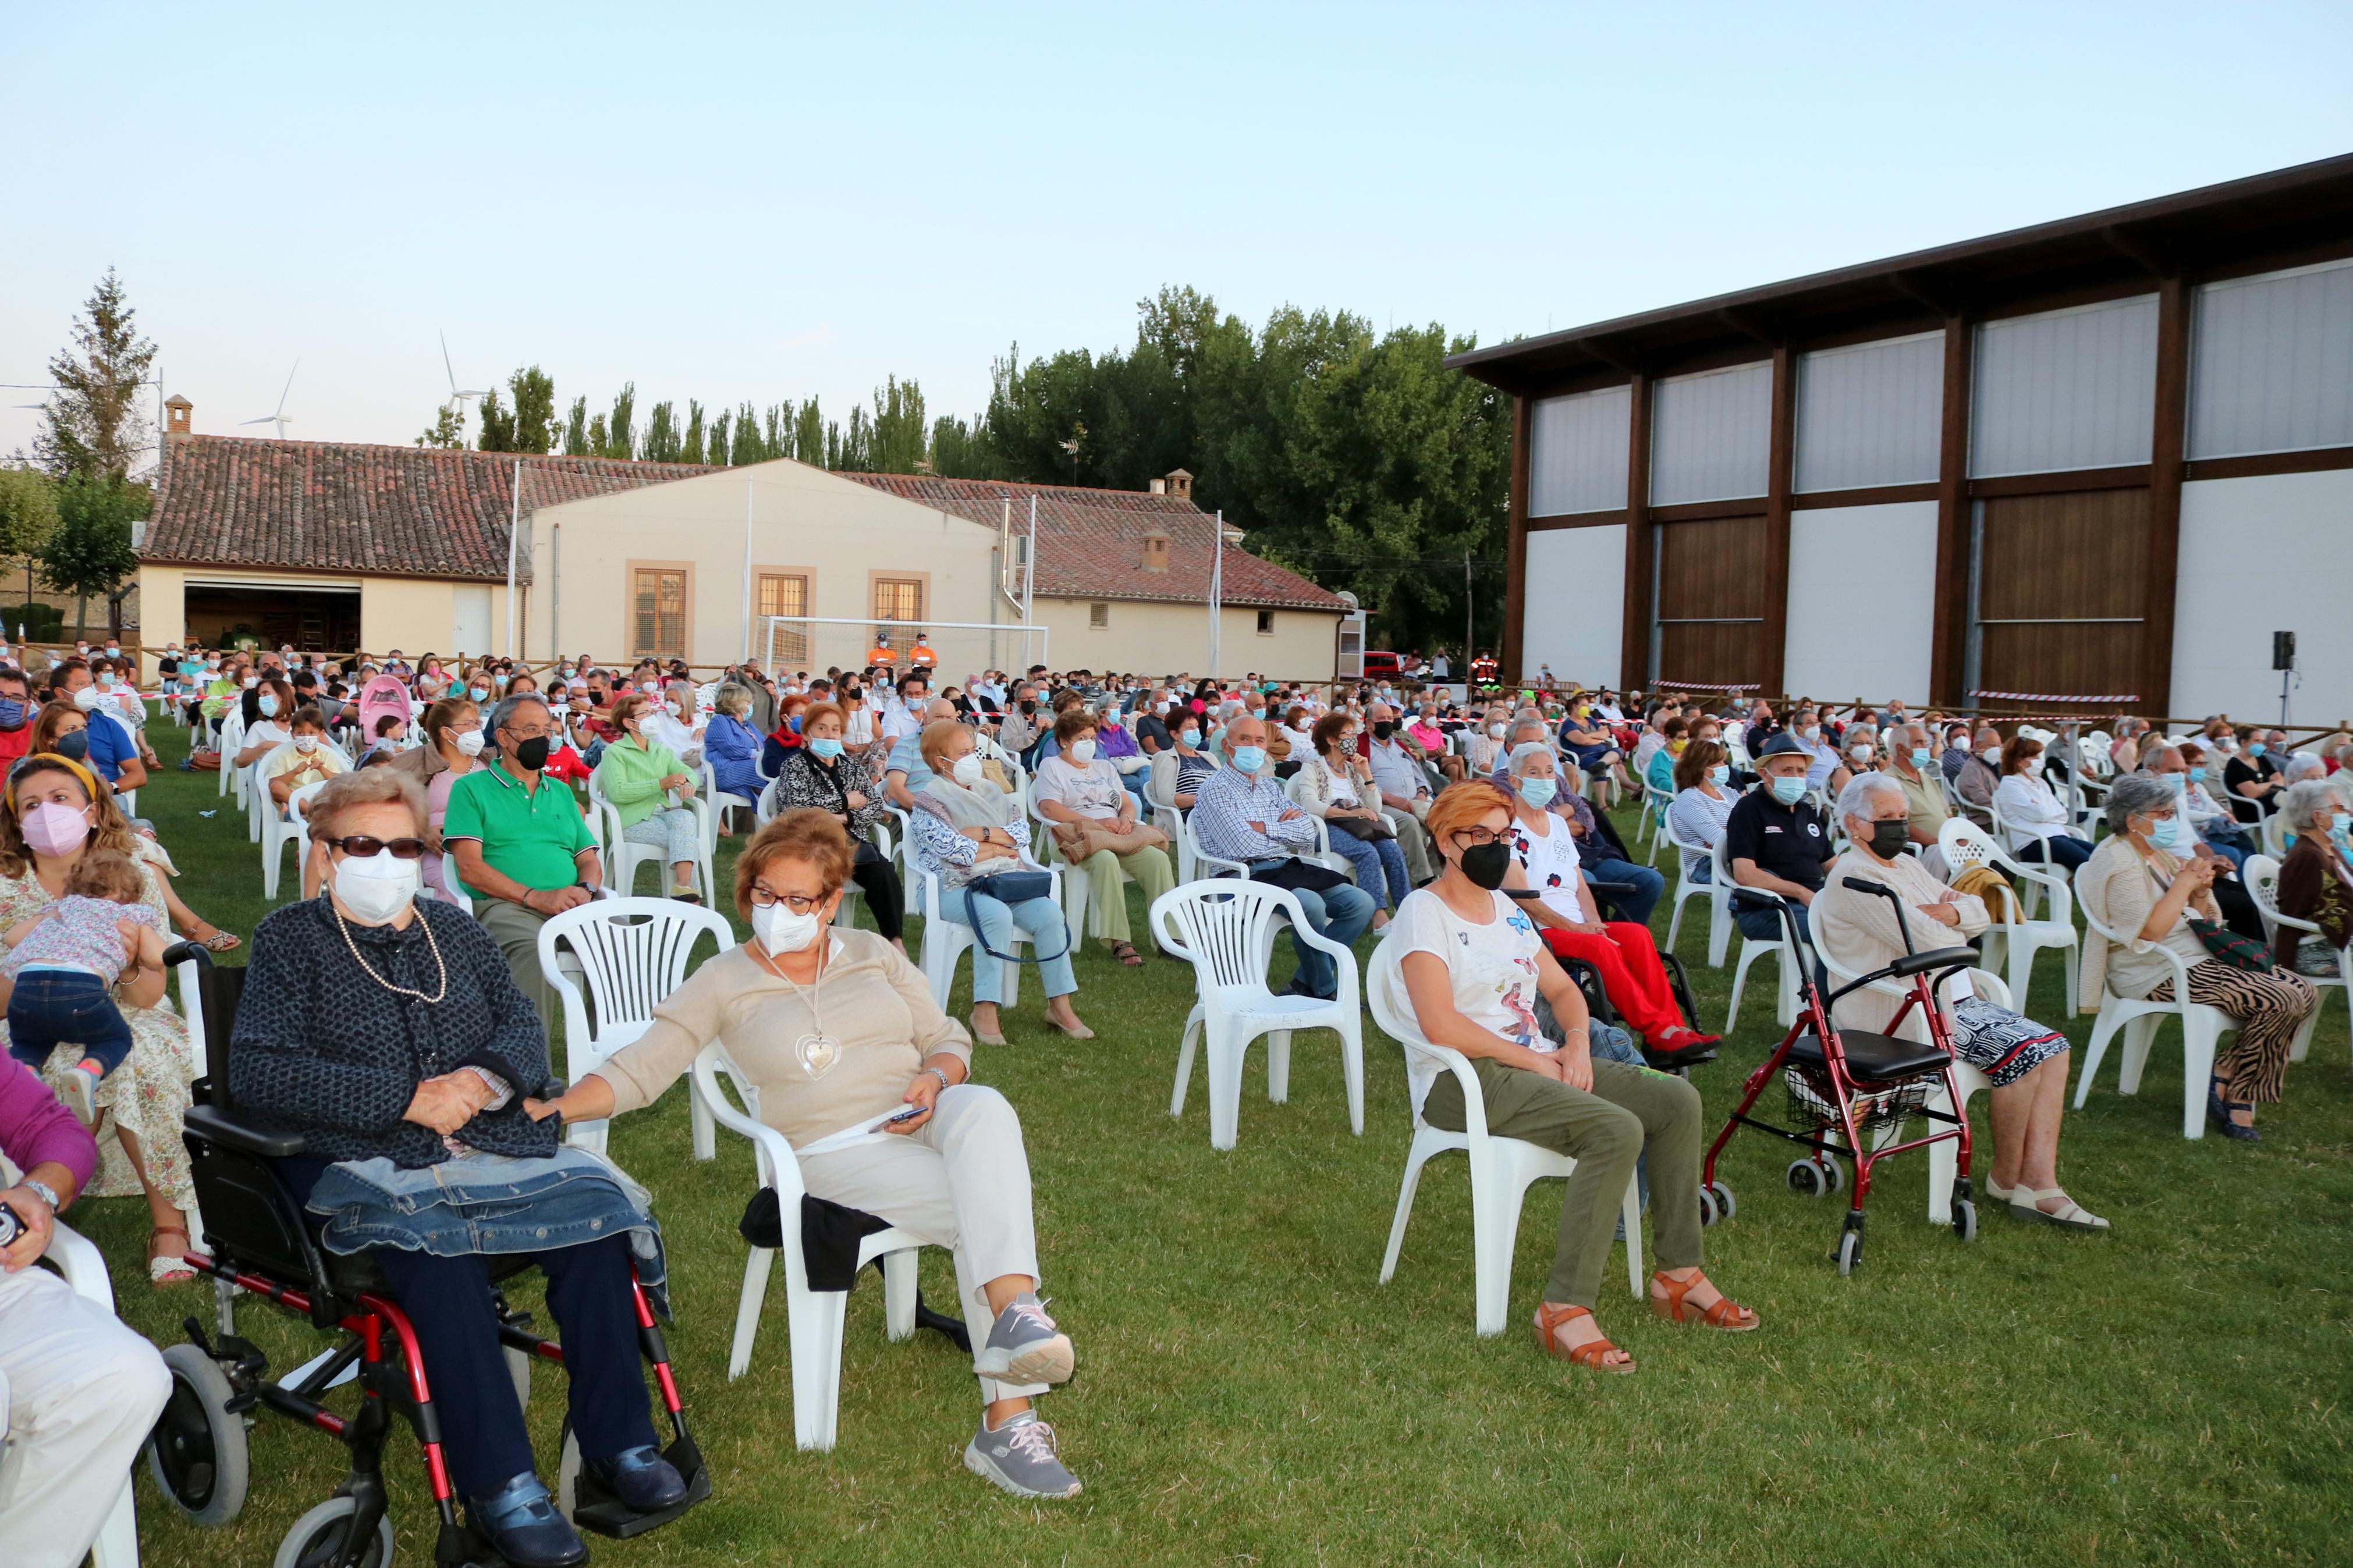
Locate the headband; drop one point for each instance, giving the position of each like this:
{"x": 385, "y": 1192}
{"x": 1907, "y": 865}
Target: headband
{"x": 49, "y": 759}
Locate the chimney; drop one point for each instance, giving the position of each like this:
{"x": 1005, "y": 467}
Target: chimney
{"x": 1159, "y": 486}
{"x": 1180, "y": 484}
{"x": 176, "y": 410}
{"x": 1156, "y": 550}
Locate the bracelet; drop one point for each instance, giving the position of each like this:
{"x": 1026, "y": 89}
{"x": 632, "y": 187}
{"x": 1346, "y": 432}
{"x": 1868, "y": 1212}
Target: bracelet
{"x": 936, "y": 1073}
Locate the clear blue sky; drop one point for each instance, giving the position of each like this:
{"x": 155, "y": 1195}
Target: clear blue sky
{"x": 773, "y": 201}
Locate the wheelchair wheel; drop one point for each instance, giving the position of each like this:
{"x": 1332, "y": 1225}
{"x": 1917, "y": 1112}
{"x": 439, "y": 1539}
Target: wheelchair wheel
{"x": 318, "y": 1537}
{"x": 196, "y": 1452}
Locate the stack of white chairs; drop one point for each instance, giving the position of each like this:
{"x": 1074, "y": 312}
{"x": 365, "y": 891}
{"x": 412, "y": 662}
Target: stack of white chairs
{"x": 1501, "y": 1169}
{"x": 1225, "y": 930}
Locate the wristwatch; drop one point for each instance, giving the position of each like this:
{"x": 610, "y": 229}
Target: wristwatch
{"x": 43, "y": 1191}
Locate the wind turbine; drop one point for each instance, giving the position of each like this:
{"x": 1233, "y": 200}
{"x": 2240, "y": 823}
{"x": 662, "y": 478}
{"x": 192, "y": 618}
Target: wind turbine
{"x": 457, "y": 398}
{"x": 281, "y": 418}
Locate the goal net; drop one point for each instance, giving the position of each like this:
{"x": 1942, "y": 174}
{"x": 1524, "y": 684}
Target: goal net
{"x": 959, "y": 650}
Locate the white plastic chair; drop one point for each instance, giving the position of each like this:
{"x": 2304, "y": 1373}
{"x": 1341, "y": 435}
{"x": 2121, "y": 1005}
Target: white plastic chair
{"x": 1084, "y": 921}
{"x": 1718, "y": 897}
{"x": 83, "y": 1268}
{"x": 258, "y": 807}
{"x": 2014, "y": 941}
{"x": 1785, "y": 967}
{"x": 232, "y": 742}
{"x": 1225, "y": 930}
{"x": 1502, "y": 1168}
{"x": 2260, "y": 875}
{"x": 720, "y": 803}
{"x": 630, "y": 953}
{"x": 1655, "y": 802}
{"x": 814, "y": 1318}
{"x": 2201, "y": 1027}
{"x": 945, "y": 941}
{"x": 1322, "y": 854}
{"x": 276, "y": 834}
{"x": 624, "y": 859}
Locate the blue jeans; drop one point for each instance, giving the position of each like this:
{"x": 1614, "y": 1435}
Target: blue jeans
{"x": 1649, "y": 885}
{"x": 1042, "y": 918}
{"x": 1339, "y": 915}
{"x": 2064, "y": 848}
{"x": 1764, "y": 925}
{"x": 51, "y": 1006}
{"x": 1379, "y": 865}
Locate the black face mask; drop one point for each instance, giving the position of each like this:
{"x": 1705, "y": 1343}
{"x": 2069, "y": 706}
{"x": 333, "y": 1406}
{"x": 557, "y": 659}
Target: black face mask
{"x": 76, "y": 745}
{"x": 1029, "y": 705}
{"x": 1486, "y": 864}
{"x": 1383, "y": 729}
{"x": 531, "y": 755}
{"x": 1889, "y": 837}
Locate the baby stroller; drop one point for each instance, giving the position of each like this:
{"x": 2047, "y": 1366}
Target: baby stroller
{"x": 1843, "y": 1084}
{"x": 382, "y": 696}
{"x": 260, "y": 1241}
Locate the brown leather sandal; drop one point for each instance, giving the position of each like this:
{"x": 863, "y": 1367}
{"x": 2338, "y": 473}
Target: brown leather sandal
{"x": 1591, "y": 1353}
{"x": 1726, "y": 1314}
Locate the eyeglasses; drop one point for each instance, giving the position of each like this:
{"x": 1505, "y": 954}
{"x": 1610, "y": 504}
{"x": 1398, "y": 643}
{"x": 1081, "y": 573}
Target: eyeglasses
{"x": 1477, "y": 838}
{"x": 366, "y": 846}
{"x": 799, "y": 903}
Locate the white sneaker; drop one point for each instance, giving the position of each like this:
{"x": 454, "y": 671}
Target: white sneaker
{"x": 81, "y": 1094}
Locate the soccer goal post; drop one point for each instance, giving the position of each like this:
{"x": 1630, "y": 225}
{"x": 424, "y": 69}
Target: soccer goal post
{"x": 959, "y": 650}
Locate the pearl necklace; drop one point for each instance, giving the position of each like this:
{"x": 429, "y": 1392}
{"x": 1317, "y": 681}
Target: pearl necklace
{"x": 440, "y": 970}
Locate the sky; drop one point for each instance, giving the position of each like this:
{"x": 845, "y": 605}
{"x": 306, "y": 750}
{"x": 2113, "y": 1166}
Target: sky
{"x": 772, "y": 202}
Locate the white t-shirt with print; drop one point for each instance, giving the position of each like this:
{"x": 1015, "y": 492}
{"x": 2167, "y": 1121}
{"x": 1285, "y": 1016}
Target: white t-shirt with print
{"x": 1551, "y": 864}
{"x": 1492, "y": 966}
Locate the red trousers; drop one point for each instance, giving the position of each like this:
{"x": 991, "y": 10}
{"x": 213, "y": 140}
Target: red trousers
{"x": 1631, "y": 973}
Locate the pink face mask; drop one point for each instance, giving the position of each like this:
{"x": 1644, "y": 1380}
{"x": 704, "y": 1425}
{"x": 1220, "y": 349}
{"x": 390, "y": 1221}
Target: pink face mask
{"x": 56, "y": 830}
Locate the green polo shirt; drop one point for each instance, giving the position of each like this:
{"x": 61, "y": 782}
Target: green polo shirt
{"x": 530, "y": 835}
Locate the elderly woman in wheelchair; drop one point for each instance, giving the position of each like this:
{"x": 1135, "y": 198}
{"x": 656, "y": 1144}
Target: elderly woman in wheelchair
{"x": 855, "y": 1064}
{"x": 377, "y": 1076}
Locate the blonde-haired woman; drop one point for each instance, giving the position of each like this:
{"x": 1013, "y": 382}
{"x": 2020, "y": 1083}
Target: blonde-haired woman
{"x": 731, "y": 745}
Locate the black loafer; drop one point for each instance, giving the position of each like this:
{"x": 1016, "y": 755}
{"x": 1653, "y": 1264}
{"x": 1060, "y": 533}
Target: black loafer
{"x": 640, "y": 1477}
{"x": 521, "y": 1520}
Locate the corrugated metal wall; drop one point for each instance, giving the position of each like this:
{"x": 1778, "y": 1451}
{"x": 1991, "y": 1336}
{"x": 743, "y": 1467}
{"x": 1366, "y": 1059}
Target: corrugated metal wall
{"x": 2066, "y": 389}
{"x": 2272, "y": 362}
{"x": 1576, "y": 452}
{"x": 1870, "y": 415}
{"x": 1711, "y": 435}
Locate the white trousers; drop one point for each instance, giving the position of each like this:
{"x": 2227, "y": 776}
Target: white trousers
{"x": 961, "y": 1180}
{"x": 81, "y": 1392}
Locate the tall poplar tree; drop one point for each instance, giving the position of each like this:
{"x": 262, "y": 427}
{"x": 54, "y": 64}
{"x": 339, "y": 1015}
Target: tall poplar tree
{"x": 92, "y": 423}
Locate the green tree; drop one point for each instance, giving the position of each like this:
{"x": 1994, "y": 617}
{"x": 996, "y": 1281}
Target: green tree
{"x": 961, "y": 451}
{"x": 620, "y": 426}
{"x": 91, "y": 424}
{"x": 690, "y": 446}
{"x": 448, "y": 429}
{"x": 719, "y": 448}
{"x": 91, "y": 550}
{"x": 809, "y": 429}
{"x": 898, "y": 440}
{"x": 28, "y": 511}
{"x": 498, "y": 430}
{"x": 533, "y": 394}
{"x": 662, "y": 444}
{"x": 598, "y": 440}
{"x": 576, "y": 429}
{"x": 777, "y": 431}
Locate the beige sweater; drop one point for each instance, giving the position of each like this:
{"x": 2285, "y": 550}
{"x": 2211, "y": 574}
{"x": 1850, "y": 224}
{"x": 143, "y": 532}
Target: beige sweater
{"x": 877, "y": 1009}
{"x": 2118, "y": 887}
{"x": 1857, "y": 931}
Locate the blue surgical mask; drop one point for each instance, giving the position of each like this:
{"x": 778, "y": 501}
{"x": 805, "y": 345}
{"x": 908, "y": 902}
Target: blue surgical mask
{"x": 1249, "y": 759}
{"x": 1721, "y": 773}
{"x": 2181, "y": 783}
{"x": 2339, "y": 823}
{"x": 1919, "y": 756}
{"x": 2198, "y": 773}
{"x": 267, "y": 704}
{"x": 2256, "y": 749}
{"x": 1790, "y": 788}
{"x": 1538, "y": 792}
{"x": 827, "y": 747}
{"x": 1190, "y": 735}
{"x": 2165, "y": 832}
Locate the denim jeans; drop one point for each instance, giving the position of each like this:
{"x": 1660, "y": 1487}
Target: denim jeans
{"x": 51, "y": 1006}
{"x": 1764, "y": 925}
{"x": 1380, "y": 866}
{"x": 1048, "y": 933}
{"x": 2067, "y": 850}
{"x": 1648, "y": 883}
{"x": 1339, "y": 914}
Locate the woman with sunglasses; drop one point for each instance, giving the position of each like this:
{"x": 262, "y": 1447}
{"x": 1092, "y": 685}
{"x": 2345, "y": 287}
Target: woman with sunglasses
{"x": 1469, "y": 968}
{"x": 56, "y": 812}
{"x": 389, "y": 1031}
{"x": 837, "y": 1033}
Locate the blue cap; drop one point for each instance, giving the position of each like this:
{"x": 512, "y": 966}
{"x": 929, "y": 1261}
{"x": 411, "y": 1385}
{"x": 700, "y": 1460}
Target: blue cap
{"x": 1781, "y": 743}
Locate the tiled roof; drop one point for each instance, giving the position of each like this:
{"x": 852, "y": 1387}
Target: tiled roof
{"x": 1090, "y": 542}
{"x": 331, "y": 506}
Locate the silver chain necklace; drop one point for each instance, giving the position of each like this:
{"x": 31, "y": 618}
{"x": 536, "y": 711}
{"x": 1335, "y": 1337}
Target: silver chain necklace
{"x": 440, "y": 970}
{"x": 817, "y": 1051}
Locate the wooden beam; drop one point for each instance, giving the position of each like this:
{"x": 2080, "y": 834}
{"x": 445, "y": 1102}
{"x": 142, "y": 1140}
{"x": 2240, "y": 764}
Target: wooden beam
{"x": 1949, "y": 651}
{"x": 2155, "y": 260}
{"x": 1782, "y": 442}
{"x": 1515, "y": 572}
{"x": 2130, "y": 476}
{"x": 1634, "y": 647}
{"x": 2164, "y": 466}
{"x": 1600, "y": 350}
{"x": 1747, "y": 326}
{"x": 1918, "y": 288}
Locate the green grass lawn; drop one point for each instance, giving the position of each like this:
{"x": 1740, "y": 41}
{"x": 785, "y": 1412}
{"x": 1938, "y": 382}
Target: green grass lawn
{"x": 1248, "y": 1393}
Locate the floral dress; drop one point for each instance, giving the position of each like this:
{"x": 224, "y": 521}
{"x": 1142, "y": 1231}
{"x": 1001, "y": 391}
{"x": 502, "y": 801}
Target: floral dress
{"x": 149, "y": 1093}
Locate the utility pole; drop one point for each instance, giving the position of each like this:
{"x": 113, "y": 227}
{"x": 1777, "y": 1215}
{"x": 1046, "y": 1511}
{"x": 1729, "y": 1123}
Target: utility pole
{"x": 1470, "y": 621}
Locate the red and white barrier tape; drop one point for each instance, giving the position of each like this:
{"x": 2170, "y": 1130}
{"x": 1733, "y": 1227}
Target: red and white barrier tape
{"x": 1703, "y": 686}
{"x": 2054, "y": 697}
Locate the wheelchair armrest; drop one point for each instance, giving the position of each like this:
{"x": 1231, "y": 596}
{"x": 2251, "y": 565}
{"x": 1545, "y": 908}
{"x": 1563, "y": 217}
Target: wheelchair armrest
{"x": 1610, "y": 890}
{"x": 1754, "y": 899}
{"x": 1920, "y": 962}
{"x": 270, "y": 1143}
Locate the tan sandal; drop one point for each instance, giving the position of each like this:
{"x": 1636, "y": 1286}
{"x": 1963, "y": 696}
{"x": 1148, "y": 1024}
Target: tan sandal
{"x": 1726, "y": 1313}
{"x": 1589, "y": 1354}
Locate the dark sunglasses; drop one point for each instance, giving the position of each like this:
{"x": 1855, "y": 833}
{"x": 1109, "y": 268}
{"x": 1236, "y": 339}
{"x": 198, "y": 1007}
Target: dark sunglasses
{"x": 364, "y": 847}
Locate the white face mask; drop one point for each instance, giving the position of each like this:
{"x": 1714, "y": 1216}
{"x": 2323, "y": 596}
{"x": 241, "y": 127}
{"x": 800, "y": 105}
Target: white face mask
{"x": 2033, "y": 766}
{"x": 1495, "y": 731}
{"x": 469, "y": 741}
{"x": 965, "y": 769}
{"x": 1082, "y": 753}
{"x": 1861, "y": 753}
{"x": 375, "y": 889}
{"x": 781, "y": 930}
{"x": 306, "y": 743}
{"x": 1990, "y": 757}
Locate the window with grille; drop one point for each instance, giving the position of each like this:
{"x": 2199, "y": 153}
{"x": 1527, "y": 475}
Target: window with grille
{"x": 1266, "y": 623}
{"x": 1098, "y": 615}
{"x": 898, "y": 599}
{"x": 661, "y": 613}
{"x": 786, "y": 595}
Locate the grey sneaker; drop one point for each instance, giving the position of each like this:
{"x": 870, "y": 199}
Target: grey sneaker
{"x": 1024, "y": 1346}
{"x": 1019, "y": 1457}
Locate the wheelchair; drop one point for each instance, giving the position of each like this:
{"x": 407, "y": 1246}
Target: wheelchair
{"x": 1596, "y": 997}
{"x": 259, "y": 1241}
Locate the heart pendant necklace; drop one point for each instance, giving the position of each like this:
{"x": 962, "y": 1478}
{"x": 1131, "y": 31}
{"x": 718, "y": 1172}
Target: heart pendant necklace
{"x": 817, "y": 1050}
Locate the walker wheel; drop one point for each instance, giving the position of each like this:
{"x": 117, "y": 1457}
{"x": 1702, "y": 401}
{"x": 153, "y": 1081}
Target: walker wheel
{"x": 1849, "y": 1252}
{"x": 1834, "y": 1173}
{"x": 1725, "y": 1205}
{"x": 1806, "y": 1179}
{"x": 1965, "y": 1219}
{"x": 1707, "y": 1214}
{"x": 197, "y": 1451}
{"x": 319, "y": 1537}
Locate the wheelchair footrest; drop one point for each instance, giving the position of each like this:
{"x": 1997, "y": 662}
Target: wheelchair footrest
{"x": 599, "y": 1511}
